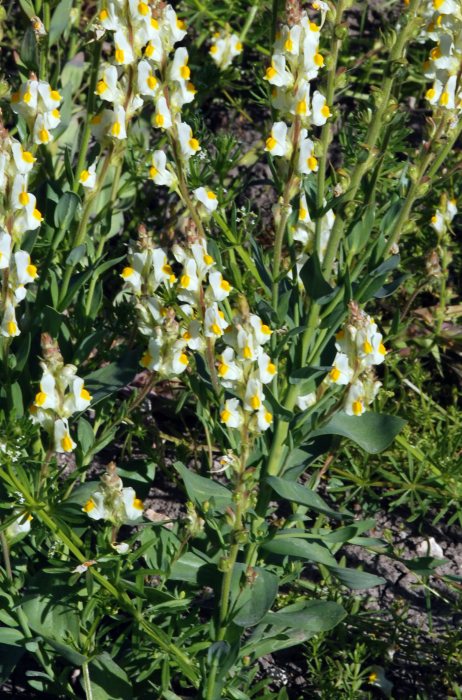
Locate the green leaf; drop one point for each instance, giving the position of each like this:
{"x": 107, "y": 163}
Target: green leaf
{"x": 28, "y": 51}
{"x": 296, "y": 493}
{"x": 85, "y": 435}
{"x": 304, "y": 373}
{"x": 65, "y": 209}
{"x": 299, "y": 548}
{"x": 201, "y": 490}
{"x": 107, "y": 380}
{"x": 356, "y": 579}
{"x": 11, "y": 636}
{"x": 361, "y": 231}
{"x": 257, "y": 597}
{"x": 108, "y": 680}
{"x": 28, "y": 7}
{"x": 59, "y": 20}
{"x": 314, "y": 282}
{"x": 186, "y": 568}
{"x": 374, "y": 432}
{"x": 313, "y": 616}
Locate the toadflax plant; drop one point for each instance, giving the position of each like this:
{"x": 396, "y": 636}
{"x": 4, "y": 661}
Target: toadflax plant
{"x": 154, "y": 326}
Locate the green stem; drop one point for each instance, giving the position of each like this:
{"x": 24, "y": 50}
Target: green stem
{"x": 103, "y": 239}
{"x": 373, "y": 133}
{"x": 81, "y": 233}
{"x": 44, "y": 41}
{"x": 91, "y": 97}
{"x": 86, "y": 681}
{"x": 326, "y": 129}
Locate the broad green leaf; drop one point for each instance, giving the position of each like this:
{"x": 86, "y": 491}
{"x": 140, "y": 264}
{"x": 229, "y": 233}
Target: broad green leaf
{"x": 296, "y": 493}
{"x": 300, "y": 549}
{"x": 48, "y": 615}
{"x": 314, "y": 282}
{"x": 108, "y": 680}
{"x": 356, "y": 579}
{"x": 107, "y": 380}
{"x": 85, "y": 435}
{"x": 257, "y": 596}
{"x": 313, "y": 616}
{"x": 374, "y": 432}
{"x": 11, "y": 636}
{"x": 59, "y": 20}
{"x": 65, "y": 209}
{"x": 186, "y": 568}
{"x": 300, "y": 375}
{"x": 28, "y": 51}
{"x": 201, "y": 490}
{"x": 28, "y": 7}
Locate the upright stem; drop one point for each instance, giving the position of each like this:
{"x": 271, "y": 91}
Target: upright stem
{"x": 326, "y": 129}
{"x": 373, "y": 134}
{"x": 95, "y": 60}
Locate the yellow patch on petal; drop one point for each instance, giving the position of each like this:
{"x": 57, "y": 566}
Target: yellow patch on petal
{"x": 66, "y": 443}
{"x": 89, "y": 506}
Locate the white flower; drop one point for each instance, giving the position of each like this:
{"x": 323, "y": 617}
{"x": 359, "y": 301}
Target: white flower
{"x": 47, "y": 397}
{"x": 25, "y": 271}
{"x": 341, "y": 372}
{"x": 147, "y": 81}
{"x": 278, "y": 143}
{"x": 306, "y": 401}
{"x": 51, "y": 98}
{"x": 261, "y": 330}
{"x": 151, "y": 359}
{"x": 134, "y": 279}
{"x": 320, "y": 110}
{"x": 224, "y": 49}
{"x": 174, "y": 29}
{"x": 207, "y": 198}
{"x": 23, "y": 160}
{"x": 231, "y": 414}
{"x": 5, "y": 249}
{"x": 277, "y": 73}
{"x": 371, "y": 350}
{"x": 179, "y": 69}
{"x": 162, "y": 117}
{"x": 63, "y": 440}
{"x": 121, "y": 547}
{"x": 107, "y": 87}
{"x": 133, "y": 506}
{"x": 188, "y": 144}
{"x": 214, "y": 321}
{"x": 42, "y": 133}
{"x": 20, "y": 526}
{"x": 81, "y": 397}
{"x": 253, "y": 400}
{"x": 24, "y": 102}
{"x": 355, "y": 400}
{"x": 29, "y": 218}
{"x": 178, "y": 359}
{"x": 159, "y": 171}
{"x": 307, "y": 163}
{"x": 9, "y": 327}
{"x": 266, "y": 368}
{"x": 95, "y": 507}
{"x": 220, "y": 287}
{"x": 123, "y": 51}
{"x": 247, "y": 346}
{"x": 118, "y": 128}
{"x": 87, "y": 178}
{"x": 264, "y": 419}
{"x": 228, "y": 370}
